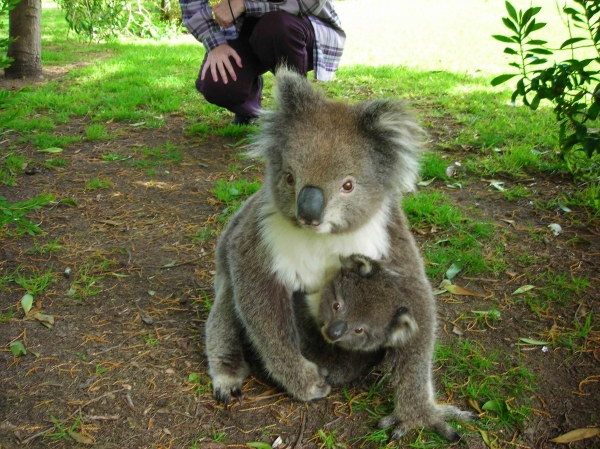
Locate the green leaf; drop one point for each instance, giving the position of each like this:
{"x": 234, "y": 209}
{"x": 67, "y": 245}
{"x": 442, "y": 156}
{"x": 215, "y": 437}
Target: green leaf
{"x": 523, "y": 289}
{"x": 495, "y": 405}
{"x": 512, "y": 12}
{"x": 506, "y": 39}
{"x": 453, "y": 270}
{"x": 18, "y": 349}
{"x": 170, "y": 264}
{"x": 425, "y": 183}
{"x": 535, "y": 102}
{"x": 536, "y": 42}
{"x": 27, "y": 303}
{"x": 502, "y": 79}
{"x": 510, "y": 25}
{"x": 259, "y": 445}
{"x": 68, "y": 202}
{"x": 571, "y": 41}
{"x": 510, "y": 51}
{"x": 540, "y": 51}
{"x": 529, "y": 341}
{"x": 53, "y": 150}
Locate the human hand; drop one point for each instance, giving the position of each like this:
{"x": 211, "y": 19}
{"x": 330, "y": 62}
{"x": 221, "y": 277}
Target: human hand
{"x": 219, "y": 63}
{"x": 222, "y": 12}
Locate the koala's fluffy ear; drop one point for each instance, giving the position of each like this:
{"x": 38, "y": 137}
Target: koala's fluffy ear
{"x": 363, "y": 265}
{"x": 294, "y": 93}
{"x": 402, "y": 328}
{"x": 295, "y": 97}
{"x": 396, "y": 135}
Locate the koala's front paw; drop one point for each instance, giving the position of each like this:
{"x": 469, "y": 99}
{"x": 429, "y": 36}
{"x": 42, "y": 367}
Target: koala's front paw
{"x": 310, "y": 383}
{"x": 225, "y": 386}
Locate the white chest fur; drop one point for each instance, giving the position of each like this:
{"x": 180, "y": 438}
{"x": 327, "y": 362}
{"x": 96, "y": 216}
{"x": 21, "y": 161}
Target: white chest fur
{"x": 302, "y": 258}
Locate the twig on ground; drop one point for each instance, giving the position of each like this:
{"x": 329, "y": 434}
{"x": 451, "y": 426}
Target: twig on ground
{"x": 301, "y": 434}
{"x": 39, "y": 434}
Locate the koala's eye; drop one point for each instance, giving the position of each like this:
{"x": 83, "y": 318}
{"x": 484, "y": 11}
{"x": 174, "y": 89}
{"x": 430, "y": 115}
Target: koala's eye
{"x": 336, "y": 306}
{"x": 359, "y": 330}
{"x": 289, "y": 179}
{"x": 348, "y": 187}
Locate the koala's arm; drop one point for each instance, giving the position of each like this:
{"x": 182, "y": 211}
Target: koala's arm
{"x": 247, "y": 289}
{"x": 264, "y": 306}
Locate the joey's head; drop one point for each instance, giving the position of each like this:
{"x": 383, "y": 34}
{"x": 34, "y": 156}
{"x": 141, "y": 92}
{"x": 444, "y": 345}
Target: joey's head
{"x": 332, "y": 166}
{"x": 360, "y": 309}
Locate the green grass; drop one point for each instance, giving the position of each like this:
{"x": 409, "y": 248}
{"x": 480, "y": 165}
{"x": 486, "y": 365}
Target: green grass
{"x": 470, "y": 371}
{"x": 33, "y": 282}
{"x": 458, "y": 238}
{"x": 233, "y": 194}
{"x": 97, "y": 183}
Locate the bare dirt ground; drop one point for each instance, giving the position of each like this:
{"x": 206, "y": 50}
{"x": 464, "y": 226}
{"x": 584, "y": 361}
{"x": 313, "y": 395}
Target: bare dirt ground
{"x": 114, "y": 370}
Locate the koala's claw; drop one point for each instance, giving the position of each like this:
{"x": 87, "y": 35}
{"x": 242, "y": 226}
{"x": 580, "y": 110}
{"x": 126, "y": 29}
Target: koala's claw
{"x": 223, "y": 396}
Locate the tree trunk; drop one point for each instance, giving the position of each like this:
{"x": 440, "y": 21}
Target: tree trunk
{"x": 25, "y": 27}
{"x": 165, "y": 8}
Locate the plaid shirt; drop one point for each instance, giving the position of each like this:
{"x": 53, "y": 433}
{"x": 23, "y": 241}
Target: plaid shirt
{"x": 329, "y": 36}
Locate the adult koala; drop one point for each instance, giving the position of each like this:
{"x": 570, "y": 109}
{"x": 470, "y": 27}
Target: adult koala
{"x": 334, "y": 178}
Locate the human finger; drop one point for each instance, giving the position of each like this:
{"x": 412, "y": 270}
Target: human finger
{"x": 221, "y": 68}
{"x": 229, "y": 67}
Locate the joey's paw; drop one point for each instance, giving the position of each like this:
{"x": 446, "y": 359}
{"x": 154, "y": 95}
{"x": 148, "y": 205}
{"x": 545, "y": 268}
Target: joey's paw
{"x": 452, "y": 412}
{"x": 311, "y": 383}
{"x": 224, "y": 387}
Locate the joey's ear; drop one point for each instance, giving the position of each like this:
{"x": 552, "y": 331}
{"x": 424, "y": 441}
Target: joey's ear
{"x": 397, "y": 136}
{"x": 363, "y": 265}
{"x": 402, "y": 328}
{"x": 294, "y": 93}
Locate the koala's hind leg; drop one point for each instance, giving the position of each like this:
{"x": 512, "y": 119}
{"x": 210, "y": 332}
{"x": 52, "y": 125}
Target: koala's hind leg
{"x": 415, "y": 406}
{"x": 227, "y": 367}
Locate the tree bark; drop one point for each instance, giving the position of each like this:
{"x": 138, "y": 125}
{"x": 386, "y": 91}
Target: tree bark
{"x": 25, "y": 27}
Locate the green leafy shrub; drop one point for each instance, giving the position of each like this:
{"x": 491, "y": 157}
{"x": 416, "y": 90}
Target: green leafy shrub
{"x": 573, "y": 85}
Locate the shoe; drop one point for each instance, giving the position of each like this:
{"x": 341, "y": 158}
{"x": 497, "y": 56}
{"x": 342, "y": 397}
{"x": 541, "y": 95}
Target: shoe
{"x": 244, "y": 121}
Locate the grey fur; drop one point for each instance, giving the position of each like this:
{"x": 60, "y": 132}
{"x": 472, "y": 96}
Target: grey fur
{"x": 266, "y": 254}
{"x": 392, "y": 306}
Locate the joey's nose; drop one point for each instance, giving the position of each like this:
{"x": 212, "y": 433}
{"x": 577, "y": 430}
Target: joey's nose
{"x": 336, "y": 330}
{"x": 311, "y": 202}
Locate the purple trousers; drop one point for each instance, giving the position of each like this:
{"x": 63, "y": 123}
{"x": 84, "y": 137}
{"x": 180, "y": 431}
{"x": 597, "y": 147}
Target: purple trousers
{"x": 263, "y": 44}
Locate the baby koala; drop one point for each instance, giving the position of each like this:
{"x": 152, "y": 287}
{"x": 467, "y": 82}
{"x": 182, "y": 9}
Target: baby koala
{"x": 370, "y": 310}
{"x": 361, "y": 308}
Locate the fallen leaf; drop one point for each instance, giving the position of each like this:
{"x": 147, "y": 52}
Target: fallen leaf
{"x": 44, "y": 319}
{"x": 109, "y": 222}
{"x": 27, "y": 303}
{"x": 453, "y": 270}
{"x": 563, "y": 207}
{"x": 259, "y": 445}
{"x": 456, "y": 290}
{"x": 555, "y": 228}
{"x": 169, "y": 371}
{"x": 473, "y": 403}
{"x": 68, "y": 202}
{"x": 457, "y": 330}
{"x": 170, "y": 264}
{"x": 17, "y": 348}
{"x": 577, "y": 435}
{"x": 523, "y": 289}
{"x": 498, "y": 185}
{"x": 530, "y": 341}
{"x": 426, "y": 183}
{"x": 495, "y": 405}
{"x": 82, "y": 439}
{"x": 52, "y": 150}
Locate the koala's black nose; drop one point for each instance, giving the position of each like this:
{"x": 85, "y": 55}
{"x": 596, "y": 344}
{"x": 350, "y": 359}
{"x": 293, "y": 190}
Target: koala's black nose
{"x": 311, "y": 203}
{"x": 336, "y": 330}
